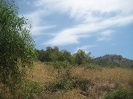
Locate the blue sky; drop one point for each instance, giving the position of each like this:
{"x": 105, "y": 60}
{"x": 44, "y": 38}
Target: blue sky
{"x": 97, "y": 26}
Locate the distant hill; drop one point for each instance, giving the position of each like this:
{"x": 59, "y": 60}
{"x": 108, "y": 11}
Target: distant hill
{"x": 113, "y": 60}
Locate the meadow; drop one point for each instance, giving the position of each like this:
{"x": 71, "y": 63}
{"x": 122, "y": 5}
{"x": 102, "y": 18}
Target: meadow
{"x": 90, "y": 83}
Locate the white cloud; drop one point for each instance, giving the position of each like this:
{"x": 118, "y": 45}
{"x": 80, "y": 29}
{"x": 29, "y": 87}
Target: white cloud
{"x": 63, "y": 39}
{"x": 69, "y": 36}
{"x": 38, "y": 23}
{"x": 72, "y": 35}
{"x": 105, "y": 35}
{"x": 91, "y": 16}
{"x": 81, "y": 9}
{"x": 36, "y": 17}
{"x": 103, "y": 39}
{"x": 85, "y": 48}
{"x": 39, "y": 30}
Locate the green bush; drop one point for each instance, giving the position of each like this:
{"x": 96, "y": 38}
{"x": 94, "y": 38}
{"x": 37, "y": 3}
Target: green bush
{"x": 31, "y": 88}
{"x": 61, "y": 84}
{"x": 59, "y": 64}
{"x": 17, "y": 48}
{"x": 68, "y": 84}
{"x": 119, "y": 94}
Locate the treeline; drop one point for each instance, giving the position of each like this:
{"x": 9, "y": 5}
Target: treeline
{"x": 55, "y": 55}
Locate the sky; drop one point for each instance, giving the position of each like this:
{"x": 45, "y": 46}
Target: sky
{"x": 97, "y": 26}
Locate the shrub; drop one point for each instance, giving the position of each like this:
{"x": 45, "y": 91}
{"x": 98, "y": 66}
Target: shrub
{"x": 61, "y": 84}
{"x": 17, "y": 50}
{"x": 83, "y": 84}
{"x": 68, "y": 84}
{"x": 31, "y": 88}
{"x": 59, "y": 64}
{"x": 119, "y": 94}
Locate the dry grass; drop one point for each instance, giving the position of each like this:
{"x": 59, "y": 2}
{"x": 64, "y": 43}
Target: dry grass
{"x": 42, "y": 73}
{"x": 104, "y": 80}
{"x": 108, "y": 75}
{"x": 101, "y": 81}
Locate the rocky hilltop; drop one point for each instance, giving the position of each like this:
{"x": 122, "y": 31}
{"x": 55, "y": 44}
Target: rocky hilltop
{"x": 113, "y": 60}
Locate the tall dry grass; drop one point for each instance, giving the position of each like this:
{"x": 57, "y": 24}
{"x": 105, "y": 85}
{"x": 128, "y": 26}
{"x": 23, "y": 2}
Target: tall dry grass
{"x": 101, "y": 81}
{"x": 42, "y": 73}
{"x": 105, "y": 80}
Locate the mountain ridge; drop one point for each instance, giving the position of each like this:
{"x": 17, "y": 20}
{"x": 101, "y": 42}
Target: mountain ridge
{"x": 113, "y": 60}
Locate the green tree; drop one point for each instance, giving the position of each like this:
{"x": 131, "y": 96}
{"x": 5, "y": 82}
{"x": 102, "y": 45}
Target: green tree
{"x": 81, "y": 57}
{"x": 17, "y": 50}
{"x": 41, "y": 55}
{"x": 67, "y": 56}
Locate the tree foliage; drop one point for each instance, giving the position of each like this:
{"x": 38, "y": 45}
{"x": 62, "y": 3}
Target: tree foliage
{"x": 16, "y": 45}
{"x": 81, "y": 57}
{"x": 52, "y": 55}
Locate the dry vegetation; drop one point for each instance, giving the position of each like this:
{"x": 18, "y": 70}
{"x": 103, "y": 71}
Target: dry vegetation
{"x": 100, "y": 81}
{"x": 91, "y": 83}
{"x": 42, "y": 73}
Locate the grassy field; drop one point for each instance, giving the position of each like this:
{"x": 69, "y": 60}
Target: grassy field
{"x": 94, "y": 83}
{"x": 79, "y": 82}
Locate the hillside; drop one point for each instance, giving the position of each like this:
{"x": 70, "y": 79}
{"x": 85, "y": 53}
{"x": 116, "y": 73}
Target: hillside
{"x": 79, "y": 83}
{"x": 114, "y": 60}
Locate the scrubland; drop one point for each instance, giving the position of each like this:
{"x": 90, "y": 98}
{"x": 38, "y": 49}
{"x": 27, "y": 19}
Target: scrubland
{"x": 84, "y": 83}
{"x": 77, "y": 82}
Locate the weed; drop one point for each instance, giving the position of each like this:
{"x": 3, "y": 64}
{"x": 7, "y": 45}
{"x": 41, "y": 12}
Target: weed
{"x": 83, "y": 84}
{"x": 30, "y": 89}
{"x": 119, "y": 94}
{"x": 61, "y": 84}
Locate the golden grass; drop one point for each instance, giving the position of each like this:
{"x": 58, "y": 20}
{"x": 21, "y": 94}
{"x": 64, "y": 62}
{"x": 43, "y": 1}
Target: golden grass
{"x": 109, "y": 75}
{"x": 42, "y": 73}
{"x": 103, "y": 80}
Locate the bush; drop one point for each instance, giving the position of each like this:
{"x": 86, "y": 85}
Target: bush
{"x": 83, "y": 84}
{"x": 17, "y": 48}
{"x": 59, "y": 64}
{"x": 119, "y": 94}
{"x": 68, "y": 84}
{"x": 61, "y": 84}
{"x": 31, "y": 88}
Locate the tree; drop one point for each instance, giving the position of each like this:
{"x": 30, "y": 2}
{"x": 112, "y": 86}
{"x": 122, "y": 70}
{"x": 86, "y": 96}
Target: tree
{"x": 67, "y": 56}
{"x": 81, "y": 57}
{"x": 41, "y": 55}
{"x": 17, "y": 50}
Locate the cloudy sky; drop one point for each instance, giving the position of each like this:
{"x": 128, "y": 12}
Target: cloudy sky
{"x": 97, "y": 26}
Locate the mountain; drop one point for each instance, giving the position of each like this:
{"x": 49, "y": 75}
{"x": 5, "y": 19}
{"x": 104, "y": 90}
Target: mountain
{"x": 113, "y": 60}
